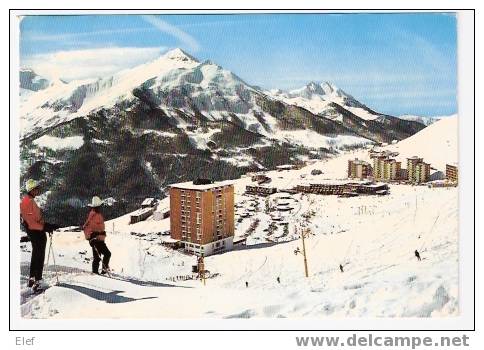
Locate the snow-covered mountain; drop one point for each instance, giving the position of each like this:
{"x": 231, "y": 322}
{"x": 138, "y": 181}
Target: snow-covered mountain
{"x": 29, "y": 80}
{"x": 176, "y": 118}
{"x": 63, "y": 101}
{"x": 421, "y": 119}
{"x": 178, "y": 82}
{"x": 319, "y": 98}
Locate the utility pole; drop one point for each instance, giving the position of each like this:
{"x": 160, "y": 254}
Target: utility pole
{"x": 303, "y": 233}
{"x": 303, "y": 236}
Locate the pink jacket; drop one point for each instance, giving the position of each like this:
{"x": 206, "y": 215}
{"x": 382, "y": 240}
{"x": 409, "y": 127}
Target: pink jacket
{"x": 31, "y": 213}
{"x": 94, "y": 223}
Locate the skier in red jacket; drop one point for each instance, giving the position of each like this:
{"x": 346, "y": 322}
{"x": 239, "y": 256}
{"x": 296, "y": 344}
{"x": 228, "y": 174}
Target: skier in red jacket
{"x": 36, "y": 229}
{"x": 95, "y": 233}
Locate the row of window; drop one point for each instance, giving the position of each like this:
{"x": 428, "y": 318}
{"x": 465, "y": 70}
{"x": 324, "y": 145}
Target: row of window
{"x": 216, "y": 245}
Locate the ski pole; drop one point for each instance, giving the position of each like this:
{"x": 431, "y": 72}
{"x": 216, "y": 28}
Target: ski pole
{"x": 48, "y": 257}
{"x": 51, "y": 248}
{"x": 53, "y": 258}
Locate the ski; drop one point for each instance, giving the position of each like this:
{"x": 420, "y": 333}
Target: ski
{"x": 27, "y": 294}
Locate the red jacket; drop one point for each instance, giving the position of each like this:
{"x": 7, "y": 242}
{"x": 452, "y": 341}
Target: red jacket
{"x": 94, "y": 223}
{"x": 31, "y": 213}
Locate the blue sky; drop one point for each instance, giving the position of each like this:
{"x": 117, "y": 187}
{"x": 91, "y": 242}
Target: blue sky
{"x": 394, "y": 63}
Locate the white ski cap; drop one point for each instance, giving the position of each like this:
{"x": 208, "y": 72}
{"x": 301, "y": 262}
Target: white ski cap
{"x": 31, "y": 184}
{"x": 95, "y": 202}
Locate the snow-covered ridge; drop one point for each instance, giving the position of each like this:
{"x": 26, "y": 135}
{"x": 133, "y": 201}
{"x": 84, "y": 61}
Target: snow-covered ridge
{"x": 423, "y": 119}
{"x": 177, "y": 80}
{"x": 214, "y": 87}
{"x": 31, "y": 81}
{"x": 58, "y": 143}
{"x": 312, "y": 139}
{"x": 438, "y": 143}
{"x": 61, "y": 101}
{"x": 318, "y": 97}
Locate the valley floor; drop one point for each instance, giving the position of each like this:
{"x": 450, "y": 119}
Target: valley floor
{"x": 373, "y": 237}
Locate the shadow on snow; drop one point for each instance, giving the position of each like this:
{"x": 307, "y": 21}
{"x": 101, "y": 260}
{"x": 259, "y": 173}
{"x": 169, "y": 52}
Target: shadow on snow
{"x": 109, "y": 297}
{"x": 63, "y": 271}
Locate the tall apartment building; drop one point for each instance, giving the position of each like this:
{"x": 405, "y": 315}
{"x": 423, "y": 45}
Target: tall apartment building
{"x": 378, "y": 167}
{"x": 422, "y": 172}
{"x": 452, "y": 172}
{"x": 391, "y": 169}
{"x": 418, "y": 171}
{"x": 411, "y": 167}
{"x": 358, "y": 169}
{"x": 386, "y": 169}
{"x": 202, "y": 216}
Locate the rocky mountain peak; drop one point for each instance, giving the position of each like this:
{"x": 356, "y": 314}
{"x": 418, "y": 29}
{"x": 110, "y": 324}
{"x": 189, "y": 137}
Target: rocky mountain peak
{"x": 314, "y": 87}
{"x": 179, "y": 54}
{"x": 30, "y": 80}
{"x": 329, "y": 88}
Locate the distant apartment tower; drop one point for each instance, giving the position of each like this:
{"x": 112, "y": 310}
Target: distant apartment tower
{"x": 418, "y": 171}
{"x": 452, "y": 172}
{"x": 386, "y": 169}
{"x": 391, "y": 169}
{"x": 378, "y": 166}
{"x": 422, "y": 173}
{"x": 411, "y": 167}
{"x": 358, "y": 169}
{"x": 202, "y": 216}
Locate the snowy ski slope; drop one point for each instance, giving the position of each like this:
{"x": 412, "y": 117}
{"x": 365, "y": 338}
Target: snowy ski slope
{"x": 373, "y": 237}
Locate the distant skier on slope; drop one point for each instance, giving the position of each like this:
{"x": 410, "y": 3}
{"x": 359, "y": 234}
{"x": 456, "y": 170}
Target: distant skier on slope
{"x": 94, "y": 232}
{"x": 341, "y": 268}
{"x": 36, "y": 229}
{"x": 417, "y": 254}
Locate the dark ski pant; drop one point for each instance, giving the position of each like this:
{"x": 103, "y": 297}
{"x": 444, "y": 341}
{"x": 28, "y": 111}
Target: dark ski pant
{"x": 99, "y": 248}
{"x": 39, "y": 241}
